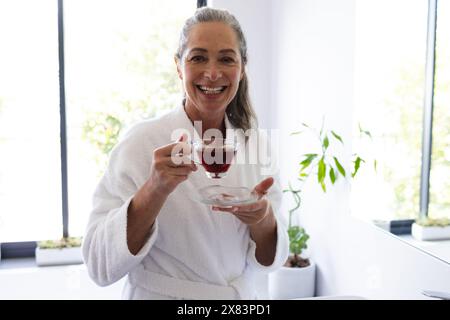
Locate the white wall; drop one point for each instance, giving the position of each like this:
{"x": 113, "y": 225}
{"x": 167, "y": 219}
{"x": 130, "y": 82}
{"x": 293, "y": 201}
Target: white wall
{"x": 304, "y": 69}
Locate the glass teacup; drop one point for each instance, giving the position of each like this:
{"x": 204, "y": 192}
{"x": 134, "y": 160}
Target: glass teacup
{"x": 215, "y": 155}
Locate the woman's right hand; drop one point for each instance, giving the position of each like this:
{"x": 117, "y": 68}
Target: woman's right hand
{"x": 170, "y": 167}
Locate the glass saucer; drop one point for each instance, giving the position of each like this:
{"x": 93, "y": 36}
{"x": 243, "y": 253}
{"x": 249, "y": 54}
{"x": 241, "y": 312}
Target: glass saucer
{"x": 222, "y": 196}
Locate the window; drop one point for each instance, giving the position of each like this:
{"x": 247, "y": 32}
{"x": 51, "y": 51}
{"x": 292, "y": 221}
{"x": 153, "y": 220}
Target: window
{"x": 439, "y": 205}
{"x": 116, "y": 68}
{"x": 117, "y": 72}
{"x": 30, "y": 181}
{"x": 393, "y": 98}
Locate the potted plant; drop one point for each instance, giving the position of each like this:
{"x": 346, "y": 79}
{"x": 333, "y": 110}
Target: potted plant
{"x": 296, "y": 279}
{"x": 431, "y": 229}
{"x": 59, "y": 252}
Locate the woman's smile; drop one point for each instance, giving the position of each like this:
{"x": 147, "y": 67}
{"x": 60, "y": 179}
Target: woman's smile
{"x": 212, "y": 92}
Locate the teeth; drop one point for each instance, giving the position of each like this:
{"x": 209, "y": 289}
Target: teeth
{"x": 210, "y": 90}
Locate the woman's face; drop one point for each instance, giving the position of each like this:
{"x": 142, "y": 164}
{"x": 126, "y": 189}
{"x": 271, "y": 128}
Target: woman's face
{"x": 210, "y": 68}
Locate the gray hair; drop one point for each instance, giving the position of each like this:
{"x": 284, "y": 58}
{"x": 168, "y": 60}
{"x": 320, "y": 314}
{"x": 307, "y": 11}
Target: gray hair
{"x": 240, "y": 111}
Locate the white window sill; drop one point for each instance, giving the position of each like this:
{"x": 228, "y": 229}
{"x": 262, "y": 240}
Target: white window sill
{"x": 438, "y": 248}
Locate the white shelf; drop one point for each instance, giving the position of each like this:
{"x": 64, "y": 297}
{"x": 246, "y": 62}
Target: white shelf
{"x": 437, "y": 248}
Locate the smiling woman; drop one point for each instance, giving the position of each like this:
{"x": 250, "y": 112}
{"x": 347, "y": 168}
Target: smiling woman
{"x": 218, "y": 52}
{"x": 144, "y": 221}
{"x": 210, "y": 69}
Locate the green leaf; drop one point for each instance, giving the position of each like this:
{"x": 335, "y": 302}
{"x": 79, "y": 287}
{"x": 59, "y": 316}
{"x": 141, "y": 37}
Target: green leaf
{"x": 364, "y": 131}
{"x": 321, "y": 127}
{"x": 332, "y": 176}
{"x": 296, "y": 132}
{"x": 326, "y": 142}
{"x": 336, "y": 173}
{"x": 297, "y": 239}
{"x": 305, "y": 125}
{"x": 339, "y": 166}
{"x": 302, "y": 175}
{"x": 357, "y": 163}
{"x": 307, "y": 161}
{"x": 375, "y": 164}
{"x": 310, "y": 155}
{"x": 337, "y": 136}
{"x": 324, "y": 188}
{"x": 321, "y": 173}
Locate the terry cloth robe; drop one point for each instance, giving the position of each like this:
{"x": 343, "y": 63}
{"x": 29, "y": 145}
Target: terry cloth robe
{"x": 192, "y": 252}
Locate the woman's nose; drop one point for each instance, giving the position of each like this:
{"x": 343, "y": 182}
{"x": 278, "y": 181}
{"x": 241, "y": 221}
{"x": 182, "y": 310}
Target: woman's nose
{"x": 213, "y": 73}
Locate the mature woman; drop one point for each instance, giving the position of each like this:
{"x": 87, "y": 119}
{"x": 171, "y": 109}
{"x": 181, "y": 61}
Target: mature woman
{"x": 144, "y": 223}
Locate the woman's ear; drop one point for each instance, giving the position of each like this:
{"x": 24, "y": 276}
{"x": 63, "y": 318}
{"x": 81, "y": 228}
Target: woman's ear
{"x": 178, "y": 64}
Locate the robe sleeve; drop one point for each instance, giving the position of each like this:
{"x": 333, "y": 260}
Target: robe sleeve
{"x": 282, "y": 247}
{"x": 105, "y": 248}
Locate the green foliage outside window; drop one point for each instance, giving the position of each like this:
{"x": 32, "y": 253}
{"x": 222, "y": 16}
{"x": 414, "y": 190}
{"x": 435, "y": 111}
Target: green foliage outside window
{"x": 405, "y": 103}
{"x": 153, "y": 65}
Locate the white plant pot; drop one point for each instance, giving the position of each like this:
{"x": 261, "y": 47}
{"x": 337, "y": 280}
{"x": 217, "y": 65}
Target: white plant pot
{"x": 52, "y": 257}
{"x": 430, "y": 233}
{"x": 292, "y": 283}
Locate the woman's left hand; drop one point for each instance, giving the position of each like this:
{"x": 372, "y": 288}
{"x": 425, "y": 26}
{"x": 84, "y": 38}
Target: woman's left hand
{"x": 254, "y": 213}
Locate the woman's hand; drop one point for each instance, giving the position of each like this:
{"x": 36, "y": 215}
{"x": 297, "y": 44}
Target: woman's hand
{"x": 253, "y": 214}
{"x": 261, "y": 221}
{"x": 169, "y": 167}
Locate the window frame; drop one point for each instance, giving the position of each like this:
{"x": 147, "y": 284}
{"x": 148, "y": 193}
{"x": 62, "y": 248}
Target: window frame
{"x": 428, "y": 107}
{"x": 27, "y": 248}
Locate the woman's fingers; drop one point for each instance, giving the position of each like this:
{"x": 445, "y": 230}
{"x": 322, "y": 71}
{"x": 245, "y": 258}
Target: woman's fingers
{"x": 171, "y": 165}
{"x": 173, "y": 149}
{"x": 261, "y": 204}
{"x": 262, "y": 187}
{"x": 178, "y": 161}
{"x": 179, "y": 171}
{"x": 224, "y": 209}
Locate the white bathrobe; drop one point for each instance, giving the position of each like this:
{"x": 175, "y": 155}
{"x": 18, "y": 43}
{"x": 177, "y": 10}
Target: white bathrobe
{"x": 192, "y": 252}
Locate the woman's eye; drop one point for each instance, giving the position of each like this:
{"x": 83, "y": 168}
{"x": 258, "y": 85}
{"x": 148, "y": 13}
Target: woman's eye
{"x": 227, "y": 60}
{"x": 197, "y": 59}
